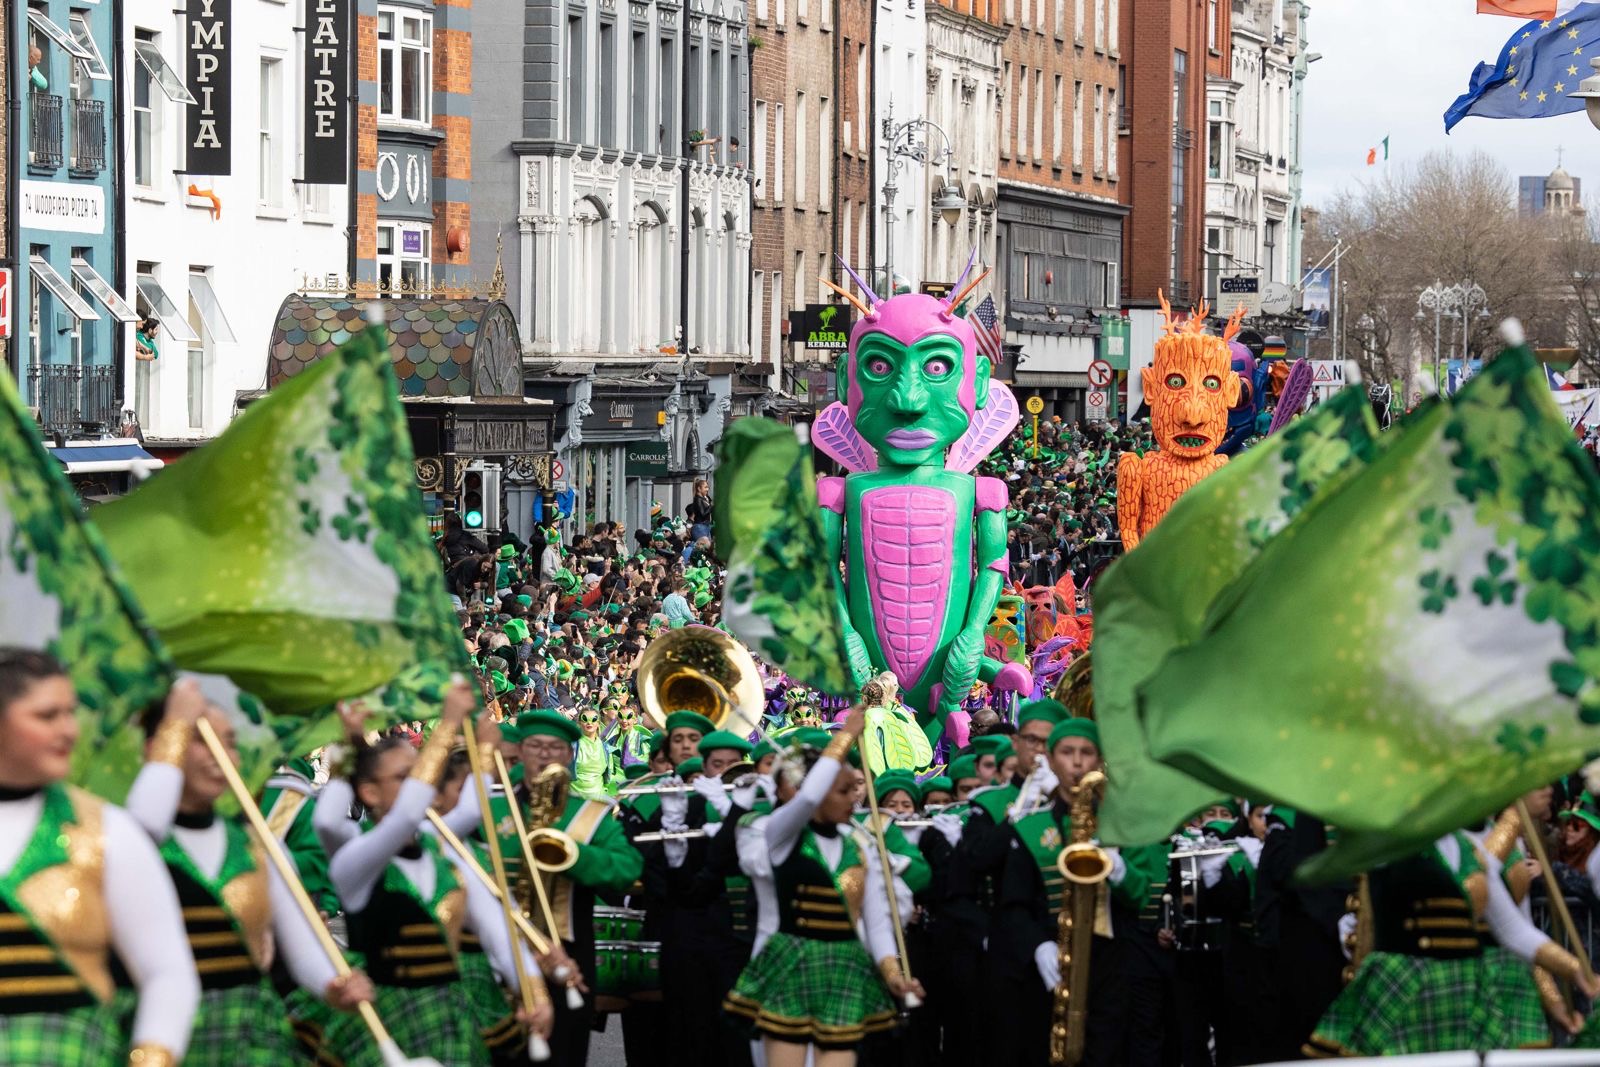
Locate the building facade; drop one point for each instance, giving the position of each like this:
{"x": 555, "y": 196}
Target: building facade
{"x": 612, "y": 170}
{"x": 219, "y": 226}
{"x": 70, "y": 323}
{"x": 1060, "y": 197}
{"x": 899, "y": 85}
{"x": 963, "y": 84}
{"x": 1251, "y": 157}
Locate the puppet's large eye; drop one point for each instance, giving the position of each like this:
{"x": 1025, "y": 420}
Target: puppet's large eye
{"x": 1211, "y": 382}
{"x": 1175, "y": 381}
{"x": 938, "y": 367}
{"x": 878, "y": 367}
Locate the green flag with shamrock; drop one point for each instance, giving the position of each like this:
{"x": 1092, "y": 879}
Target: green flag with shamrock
{"x": 60, "y": 593}
{"x": 1155, "y": 599}
{"x": 291, "y": 556}
{"x": 1420, "y": 646}
{"x": 780, "y": 596}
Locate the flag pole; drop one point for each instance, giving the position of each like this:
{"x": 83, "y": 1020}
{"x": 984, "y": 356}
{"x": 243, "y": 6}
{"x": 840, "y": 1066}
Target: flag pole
{"x": 392, "y": 1056}
{"x": 1530, "y": 833}
{"x": 876, "y": 819}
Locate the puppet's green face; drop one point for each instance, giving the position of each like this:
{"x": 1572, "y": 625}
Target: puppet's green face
{"x": 910, "y": 408}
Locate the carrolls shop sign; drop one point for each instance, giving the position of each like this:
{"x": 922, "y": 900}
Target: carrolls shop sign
{"x": 209, "y": 74}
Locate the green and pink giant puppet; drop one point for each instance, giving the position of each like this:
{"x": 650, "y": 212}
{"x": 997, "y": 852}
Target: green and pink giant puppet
{"x": 923, "y": 540}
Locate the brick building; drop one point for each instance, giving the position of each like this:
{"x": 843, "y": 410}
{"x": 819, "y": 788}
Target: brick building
{"x": 1062, "y": 189}
{"x": 414, "y": 144}
{"x": 1167, "y": 55}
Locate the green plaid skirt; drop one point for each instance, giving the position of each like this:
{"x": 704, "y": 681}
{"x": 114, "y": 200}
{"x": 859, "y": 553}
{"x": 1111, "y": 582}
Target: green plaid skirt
{"x": 82, "y": 1037}
{"x": 491, "y": 1009}
{"x": 431, "y": 1021}
{"x": 246, "y": 1026}
{"x": 309, "y": 1017}
{"x": 1398, "y": 1004}
{"x": 822, "y": 993}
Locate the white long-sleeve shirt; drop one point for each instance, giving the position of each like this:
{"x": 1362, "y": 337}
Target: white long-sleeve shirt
{"x": 1511, "y": 929}
{"x": 335, "y": 829}
{"x": 361, "y": 862}
{"x": 146, "y": 922}
{"x": 153, "y": 803}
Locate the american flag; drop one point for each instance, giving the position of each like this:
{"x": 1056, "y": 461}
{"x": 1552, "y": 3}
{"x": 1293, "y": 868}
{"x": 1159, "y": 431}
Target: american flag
{"x": 987, "y": 327}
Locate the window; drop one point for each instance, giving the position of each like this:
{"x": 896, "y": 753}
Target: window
{"x": 270, "y": 192}
{"x": 1077, "y": 21}
{"x": 801, "y": 142}
{"x": 405, "y": 255}
{"x": 761, "y": 10}
{"x": 1077, "y": 125}
{"x": 799, "y": 281}
{"x": 35, "y": 312}
{"x": 44, "y": 274}
{"x": 1211, "y": 24}
{"x": 1269, "y": 250}
{"x": 144, "y": 118}
{"x": 608, "y": 84}
{"x": 160, "y": 71}
{"x": 45, "y": 30}
{"x": 714, "y": 123}
{"x": 1022, "y": 112}
{"x": 1112, "y": 14}
{"x": 1060, "y": 26}
{"x": 1214, "y": 151}
{"x": 1005, "y": 119}
{"x": 1055, "y": 122}
{"x": 95, "y": 65}
{"x": 775, "y": 324}
{"x": 693, "y": 77}
{"x": 87, "y": 281}
{"x": 666, "y": 129}
{"x": 1099, "y": 130}
{"x": 779, "y": 134}
{"x": 1111, "y": 143}
{"x": 405, "y": 66}
{"x": 1038, "y": 115}
{"x": 825, "y": 154}
{"x": 639, "y": 86}
{"x": 211, "y": 314}
{"x": 159, "y": 304}
{"x": 1100, "y": 23}
{"x": 758, "y": 315}
{"x": 576, "y": 86}
{"x": 802, "y": 11}
{"x": 197, "y": 369}
{"x": 862, "y": 122}
{"x": 758, "y": 139}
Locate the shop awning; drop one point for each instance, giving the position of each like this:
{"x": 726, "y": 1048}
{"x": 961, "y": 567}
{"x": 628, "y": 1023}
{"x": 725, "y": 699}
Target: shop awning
{"x": 101, "y": 457}
{"x": 101, "y": 290}
{"x": 61, "y": 289}
{"x": 161, "y": 305}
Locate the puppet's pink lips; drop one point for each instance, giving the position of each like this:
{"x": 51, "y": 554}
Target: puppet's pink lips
{"x": 911, "y": 439}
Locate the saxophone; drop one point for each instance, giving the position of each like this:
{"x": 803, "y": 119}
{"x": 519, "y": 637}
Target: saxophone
{"x": 1085, "y": 866}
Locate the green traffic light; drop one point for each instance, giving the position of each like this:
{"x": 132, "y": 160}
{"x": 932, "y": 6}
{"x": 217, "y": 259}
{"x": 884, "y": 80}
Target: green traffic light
{"x": 474, "y": 519}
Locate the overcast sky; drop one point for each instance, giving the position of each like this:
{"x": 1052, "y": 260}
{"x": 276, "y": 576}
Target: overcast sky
{"x": 1391, "y": 67}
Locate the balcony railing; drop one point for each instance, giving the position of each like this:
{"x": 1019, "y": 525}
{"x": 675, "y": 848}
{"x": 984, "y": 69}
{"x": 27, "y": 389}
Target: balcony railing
{"x": 72, "y": 399}
{"x": 89, "y": 135}
{"x": 44, "y": 130}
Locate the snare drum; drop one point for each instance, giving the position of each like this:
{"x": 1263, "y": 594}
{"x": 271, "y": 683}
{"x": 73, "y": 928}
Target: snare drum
{"x": 644, "y": 967}
{"x": 617, "y": 924}
{"x": 611, "y": 968}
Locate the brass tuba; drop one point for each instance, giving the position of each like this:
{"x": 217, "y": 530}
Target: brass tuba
{"x": 1085, "y": 866}
{"x": 702, "y": 670}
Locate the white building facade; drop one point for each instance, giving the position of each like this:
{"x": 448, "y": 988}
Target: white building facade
{"x": 900, "y": 87}
{"x": 963, "y": 78}
{"x": 212, "y": 256}
{"x": 1252, "y": 153}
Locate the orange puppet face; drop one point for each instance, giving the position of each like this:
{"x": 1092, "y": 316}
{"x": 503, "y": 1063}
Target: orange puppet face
{"x": 1190, "y": 388}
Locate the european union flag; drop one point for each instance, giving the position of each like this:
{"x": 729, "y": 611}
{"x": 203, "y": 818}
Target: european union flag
{"x": 1537, "y": 70}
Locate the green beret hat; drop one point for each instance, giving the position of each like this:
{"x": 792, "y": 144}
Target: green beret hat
{"x": 695, "y": 765}
{"x": 1074, "y": 728}
{"x": 996, "y": 745}
{"x": 939, "y": 784}
{"x": 510, "y": 731}
{"x": 508, "y": 552}
{"x": 807, "y": 736}
{"x": 1046, "y": 710}
{"x": 501, "y": 683}
{"x": 690, "y": 720}
{"x": 761, "y": 751}
{"x": 723, "y": 739}
{"x": 578, "y": 616}
{"x": 635, "y": 771}
{"x": 964, "y": 767}
{"x": 517, "y": 630}
{"x": 889, "y": 781}
{"x": 658, "y": 741}
{"x": 544, "y": 723}
{"x": 525, "y": 600}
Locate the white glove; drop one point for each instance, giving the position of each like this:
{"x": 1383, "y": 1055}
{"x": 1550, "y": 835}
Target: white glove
{"x": 1211, "y": 869}
{"x": 1047, "y": 958}
{"x": 1251, "y": 847}
{"x": 949, "y": 826}
{"x": 1347, "y": 927}
{"x": 674, "y": 808}
{"x": 1119, "y": 869}
{"x": 715, "y": 792}
{"x": 745, "y": 795}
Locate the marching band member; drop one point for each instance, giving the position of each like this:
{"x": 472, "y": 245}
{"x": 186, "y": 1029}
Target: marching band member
{"x": 80, "y": 882}
{"x": 405, "y": 903}
{"x": 813, "y": 985}
{"x": 238, "y": 913}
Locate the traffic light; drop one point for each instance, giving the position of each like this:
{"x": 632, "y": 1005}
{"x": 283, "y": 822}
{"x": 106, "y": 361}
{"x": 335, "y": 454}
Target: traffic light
{"x": 472, "y": 499}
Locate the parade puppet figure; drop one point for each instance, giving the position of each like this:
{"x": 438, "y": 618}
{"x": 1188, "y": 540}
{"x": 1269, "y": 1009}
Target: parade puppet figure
{"x": 1191, "y": 387}
{"x": 923, "y": 540}
{"x": 1242, "y": 418}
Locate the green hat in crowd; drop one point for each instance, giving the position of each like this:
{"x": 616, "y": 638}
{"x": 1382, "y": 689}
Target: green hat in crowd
{"x": 517, "y": 630}
{"x": 525, "y": 600}
{"x": 890, "y": 781}
{"x": 690, "y": 720}
{"x": 501, "y": 683}
{"x": 634, "y": 771}
{"x": 761, "y": 751}
{"x": 1046, "y": 710}
{"x": 545, "y": 723}
{"x": 658, "y": 741}
{"x": 807, "y": 737}
{"x": 1586, "y": 810}
{"x": 507, "y": 552}
{"x": 723, "y": 739}
{"x": 694, "y": 765}
{"x": 1074, "y": 728}
{"x": 996, "y": 745}
{"x": 938, "y": 784}
{"x": 963, "y": 767}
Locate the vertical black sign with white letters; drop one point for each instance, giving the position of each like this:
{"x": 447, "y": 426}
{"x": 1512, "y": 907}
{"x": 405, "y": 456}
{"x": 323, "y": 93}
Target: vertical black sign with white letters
{"x": 327, "y": 73}
{"x": 208, "y": 69}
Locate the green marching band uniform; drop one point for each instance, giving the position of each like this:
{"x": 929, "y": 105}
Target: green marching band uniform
{"x": 1449, "y": 969}
{"x": 69, "y": 861}
{"x": 813, "y": 982}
